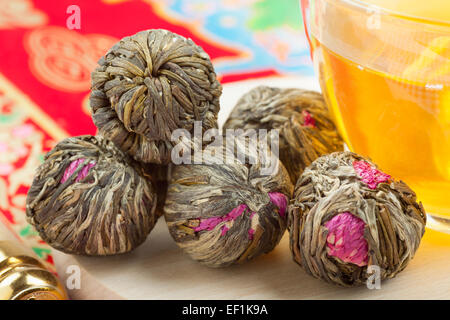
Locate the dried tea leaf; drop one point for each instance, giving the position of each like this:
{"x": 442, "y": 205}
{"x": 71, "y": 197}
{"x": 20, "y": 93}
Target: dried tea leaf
{"x": 159, "y": 176}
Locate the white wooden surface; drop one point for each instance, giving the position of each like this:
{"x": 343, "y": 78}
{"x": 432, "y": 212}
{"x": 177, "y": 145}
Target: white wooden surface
{"x": 158, "y": 269}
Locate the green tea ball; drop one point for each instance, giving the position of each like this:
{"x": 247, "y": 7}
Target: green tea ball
{"x": 222, "y": 214}
{"x": 306, "y": 130}
{"x": 150, "y": 84}
{"x": 89, "y": 198}
{"x": 348, "y": 219}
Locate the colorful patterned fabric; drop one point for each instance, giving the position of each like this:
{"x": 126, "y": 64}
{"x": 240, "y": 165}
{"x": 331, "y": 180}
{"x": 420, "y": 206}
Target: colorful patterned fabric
{"x": 45, "y": 68}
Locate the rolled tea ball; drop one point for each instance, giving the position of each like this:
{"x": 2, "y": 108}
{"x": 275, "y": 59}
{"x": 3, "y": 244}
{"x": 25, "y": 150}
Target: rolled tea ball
{"x": 89, "y": 198}
{"x": 306, "y": 130}
{"x": 347, "y": 216}
{"x": 148, "y": 85}
{"x": 226, "y": 213}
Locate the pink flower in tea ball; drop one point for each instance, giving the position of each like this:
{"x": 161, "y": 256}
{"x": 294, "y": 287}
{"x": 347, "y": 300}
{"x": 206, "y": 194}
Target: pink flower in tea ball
{"x": 370, "y": 175}
{"x": 73, "y": 167}
{"x": 308, "y": 119}
{"x": 345, "y": 239}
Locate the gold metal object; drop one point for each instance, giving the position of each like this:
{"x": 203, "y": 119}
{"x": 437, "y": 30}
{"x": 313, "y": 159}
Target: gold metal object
{"x": 23, "y": 277}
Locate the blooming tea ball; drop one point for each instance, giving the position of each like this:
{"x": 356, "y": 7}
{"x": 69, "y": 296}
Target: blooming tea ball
{"x": 346, "y": 215}
{"x": 306, "y": 130}
{"x": 89, "y": 198}
{"x": 221, "y": 214}
{"x": 150, "y": 84}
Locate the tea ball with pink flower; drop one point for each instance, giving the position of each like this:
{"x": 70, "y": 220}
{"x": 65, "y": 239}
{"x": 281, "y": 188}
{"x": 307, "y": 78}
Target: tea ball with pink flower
{"x": 301, "y": 117}
{"x": 348, "y": 219}
{"x": 228, "y": 209}
{"x": 89, "y": 198}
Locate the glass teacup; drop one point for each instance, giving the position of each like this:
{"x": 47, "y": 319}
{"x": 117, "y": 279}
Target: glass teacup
{"x": 386, "y": 77}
